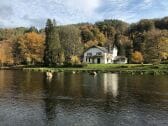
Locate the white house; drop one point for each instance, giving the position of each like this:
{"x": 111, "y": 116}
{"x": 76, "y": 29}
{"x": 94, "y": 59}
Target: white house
{"x": 97, "y": 55}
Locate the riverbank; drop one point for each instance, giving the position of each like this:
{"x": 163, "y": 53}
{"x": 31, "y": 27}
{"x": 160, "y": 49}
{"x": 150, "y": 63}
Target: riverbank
{"x": 18, "y": 67}
{"x": 132, "y": 69}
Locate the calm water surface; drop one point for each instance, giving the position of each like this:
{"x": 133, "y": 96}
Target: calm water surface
{"x": 29, "y": 99}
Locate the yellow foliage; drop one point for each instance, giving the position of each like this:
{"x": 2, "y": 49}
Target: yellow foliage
{"x": 90, "y": 44}
{"x": 164, "y": 55}
{"x": 75, "y": 60}
{"x": 163, "y": 48}
{"x": 6, "y": 52}
{"x": 101, "y": 38}
{"x": 137, "y": 57}
{"x": 31, "y": 46}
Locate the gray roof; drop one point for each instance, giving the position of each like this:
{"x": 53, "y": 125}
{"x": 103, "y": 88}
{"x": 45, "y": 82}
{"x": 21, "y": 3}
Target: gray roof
{"x": 99, "y": 47}
{"x": 120, "y": 57}
{"x": 102, "y": 48}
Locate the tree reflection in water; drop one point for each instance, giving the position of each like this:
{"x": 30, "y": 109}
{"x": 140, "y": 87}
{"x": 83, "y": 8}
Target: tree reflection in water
{"x": 29, "y": 99}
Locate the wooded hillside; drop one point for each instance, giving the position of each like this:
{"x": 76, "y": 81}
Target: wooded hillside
{"x": 143, "y": 42}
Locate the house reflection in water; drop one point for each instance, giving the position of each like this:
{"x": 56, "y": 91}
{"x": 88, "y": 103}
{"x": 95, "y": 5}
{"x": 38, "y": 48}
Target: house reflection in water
{"x": 110, "y": 84}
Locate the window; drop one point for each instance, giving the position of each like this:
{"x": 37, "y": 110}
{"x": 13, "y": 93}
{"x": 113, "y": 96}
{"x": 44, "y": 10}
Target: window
{"x": 89, "y": 54}
{"x": 98, "y": 53}
{"x": 86, "y": 59}
{"x": 89, "y": 60}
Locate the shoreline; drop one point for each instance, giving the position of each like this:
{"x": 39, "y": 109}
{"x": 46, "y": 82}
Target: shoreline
{"x": 137, "y": 69}
{"x": 132, "y": 69}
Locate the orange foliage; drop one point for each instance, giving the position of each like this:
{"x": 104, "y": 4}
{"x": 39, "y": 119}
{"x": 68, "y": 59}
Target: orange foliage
{"x": 137, "y": 57}
{"x": 31, "y": 46}
{"x": 90, "y": 44}
{"x": 6, "y": 56}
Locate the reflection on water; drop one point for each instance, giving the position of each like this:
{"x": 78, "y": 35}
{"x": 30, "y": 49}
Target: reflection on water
{"x": 111, "y": 83}
{"x": 30, "y": 99}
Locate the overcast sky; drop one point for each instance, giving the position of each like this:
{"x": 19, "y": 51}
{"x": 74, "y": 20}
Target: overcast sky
{"x": 14, "y": 13}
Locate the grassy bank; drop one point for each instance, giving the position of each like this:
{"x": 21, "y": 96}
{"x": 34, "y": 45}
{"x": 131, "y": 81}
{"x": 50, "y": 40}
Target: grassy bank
{"x": 114, "y": 68}
{"x": 18, "y": 67}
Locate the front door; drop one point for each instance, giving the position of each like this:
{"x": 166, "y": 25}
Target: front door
{"x": 98, "y": 60}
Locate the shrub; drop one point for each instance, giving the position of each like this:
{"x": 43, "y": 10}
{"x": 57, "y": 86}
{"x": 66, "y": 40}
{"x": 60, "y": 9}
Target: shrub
{"x": 75, "y": 60}
{"x": 164, "y": 62}
{"x": 137, "y": 57}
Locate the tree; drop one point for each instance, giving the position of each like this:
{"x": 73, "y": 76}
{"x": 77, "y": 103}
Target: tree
{"x": 52, "y": 50}
{"x": 110, "y": 28}
{"x": 2, "y": 55}
{"x": 122, "y": 42}
{"x": 6, "y": 57}
{"x": 32, "y": 29}
{"x": 101, "y": 39}
{"x": 145, "y": 25}
{"x": 75, "y": 60}
{"x": 106, "y": 26}
{"x": 90, "y": 44}
{"x": 137, "y": 57}
{"x": 29, "y": 48}
{"x": 138, "y": 42}
{"x": 155, "y": 46}
{"x": 161, "y": 23}
{"x": 90, "y": 33}
{"x": 86, "y": 35}
{"x": 70, "y": 41}
{"x": 163, "y": 45}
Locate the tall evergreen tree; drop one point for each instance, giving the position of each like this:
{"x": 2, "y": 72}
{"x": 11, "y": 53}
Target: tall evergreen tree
{"x": 52, "y": 44}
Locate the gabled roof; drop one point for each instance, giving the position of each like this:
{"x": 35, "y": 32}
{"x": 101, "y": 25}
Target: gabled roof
{"x": 120, "y": 57}
{"x": 99, "y": 47}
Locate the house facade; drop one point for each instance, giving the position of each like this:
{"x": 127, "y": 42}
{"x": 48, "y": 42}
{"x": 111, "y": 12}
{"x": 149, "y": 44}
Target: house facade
{"x": 101, "y": 55}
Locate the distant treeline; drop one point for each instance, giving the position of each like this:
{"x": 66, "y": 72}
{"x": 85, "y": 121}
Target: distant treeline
{"x": 143, "y": 42}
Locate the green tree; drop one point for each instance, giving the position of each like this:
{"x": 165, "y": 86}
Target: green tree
{"x": 52, "y": 50}
{"x": 86, "y": 35}
{"x": 32, "y": 29}
{"x": 70, "y": 41}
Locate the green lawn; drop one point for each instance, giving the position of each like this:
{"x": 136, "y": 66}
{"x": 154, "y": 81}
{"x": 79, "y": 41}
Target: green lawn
{"x": 119, "y": 68}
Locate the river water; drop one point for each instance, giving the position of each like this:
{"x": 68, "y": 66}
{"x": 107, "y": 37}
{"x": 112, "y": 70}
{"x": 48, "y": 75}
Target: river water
{"x": 30, "y": 99}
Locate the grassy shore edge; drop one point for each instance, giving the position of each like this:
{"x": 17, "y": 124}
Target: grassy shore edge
{"x": 132, "y": 69}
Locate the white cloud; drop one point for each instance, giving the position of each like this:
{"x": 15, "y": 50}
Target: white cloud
{"x": 145, "y": 4}
{"x": 64, "y": 11}
{"x": 118, "y": 9}
{"x": 86, "y": 6}
{"x": 35, "y": 12}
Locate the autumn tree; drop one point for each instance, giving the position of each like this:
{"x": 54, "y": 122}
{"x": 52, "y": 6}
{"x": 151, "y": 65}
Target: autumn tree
{"x": 75, "y": 60}
{"x": 163, "y": 45}
{"x": 161, "y": 23}
{"x": 11, "y": 33}
{"x": 122, "y": 42}
{"x": 148, "y": 36}
{"x": 156, "y": 46}
{"x": 137, "y": 57}
{"x": 70, "y": 41}
{"x": 86, "y": 35}
{"x": 110, "y": 28}
{"x": 29, "y": 48}
{"x": 6, "y": 57}
{"x": 91, "y": 35}
{"x": 32, "y": 29}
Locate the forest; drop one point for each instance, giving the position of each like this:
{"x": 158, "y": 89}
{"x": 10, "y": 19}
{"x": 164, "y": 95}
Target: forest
{"x": 143, "y": 42}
